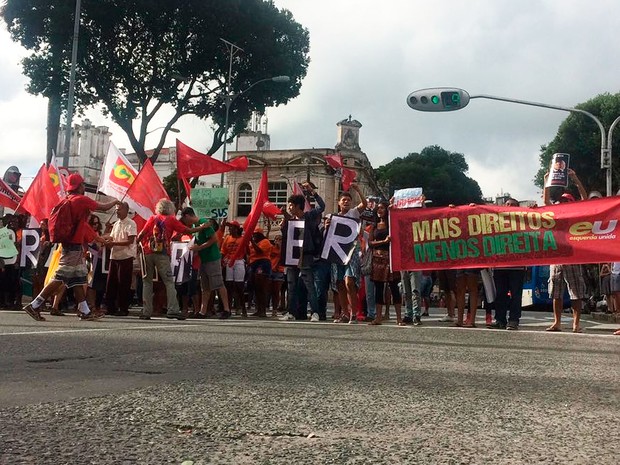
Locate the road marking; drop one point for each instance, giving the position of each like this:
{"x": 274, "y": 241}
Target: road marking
{"x": 92, "y": 330}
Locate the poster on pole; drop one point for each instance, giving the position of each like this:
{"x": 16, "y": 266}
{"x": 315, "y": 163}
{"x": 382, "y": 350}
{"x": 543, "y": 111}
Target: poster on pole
{"x": 210, "y": 202}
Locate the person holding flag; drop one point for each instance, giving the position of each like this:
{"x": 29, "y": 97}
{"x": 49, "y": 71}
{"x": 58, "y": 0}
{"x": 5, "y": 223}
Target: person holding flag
{"x": 72, "y": 270}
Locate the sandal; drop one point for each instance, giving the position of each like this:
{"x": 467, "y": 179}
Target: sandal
{"x": 400, "y": 323}
{"x": 375, "y": 322}
{"x": 553, "y": 329}
{"x": 577, "y": 330}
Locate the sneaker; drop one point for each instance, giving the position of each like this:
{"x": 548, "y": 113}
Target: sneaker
{"x": 34, "y": 313}
{"x": 287, "y": 317}
{"x": 447, "y": 319}
{"x": 314, "y": 318}
{"x": 178, "y": 316}
{"x": 144, "y": 317}
{"x": 224, "y": 315}
{"x": 489, "y": 319}
{"x": 512, "y": 326}
{"x": 408, "y": 320}
{"x": 417, "y": 321}
{"x": 92, "y": 316}
{"x": 496, "y": 325}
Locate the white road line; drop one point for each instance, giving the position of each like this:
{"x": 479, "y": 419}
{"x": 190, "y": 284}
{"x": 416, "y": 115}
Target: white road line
{"x": 93, "y": 330}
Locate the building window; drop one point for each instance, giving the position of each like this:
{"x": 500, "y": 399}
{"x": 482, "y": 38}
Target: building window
{"x": 278, "y": 193}
{"x": 244, "y": 199}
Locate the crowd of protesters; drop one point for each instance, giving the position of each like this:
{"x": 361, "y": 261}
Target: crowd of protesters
{"x": 223, "y": 282}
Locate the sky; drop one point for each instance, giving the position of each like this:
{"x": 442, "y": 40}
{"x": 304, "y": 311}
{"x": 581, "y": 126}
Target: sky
{"x": 367, "y": 56}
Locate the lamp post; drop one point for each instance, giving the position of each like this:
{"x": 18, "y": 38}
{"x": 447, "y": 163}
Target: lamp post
{"x": 449, "y": 99}
{"x": 70, "y": 97}
{"x": 228, "y": 101}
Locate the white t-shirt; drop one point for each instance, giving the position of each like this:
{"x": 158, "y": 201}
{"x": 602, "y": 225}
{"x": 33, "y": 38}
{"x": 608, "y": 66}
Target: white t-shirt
{"x": 615, "y": 268}
{"x": 121, "y": 231}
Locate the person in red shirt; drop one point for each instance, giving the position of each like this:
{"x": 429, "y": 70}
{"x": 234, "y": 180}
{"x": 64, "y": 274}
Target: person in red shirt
{"x": 234, "y": 270}
{"x": 155, "y": 240}
{"x": 72, "y": 270}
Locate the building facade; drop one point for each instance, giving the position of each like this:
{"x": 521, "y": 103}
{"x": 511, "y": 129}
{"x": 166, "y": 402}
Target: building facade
{"x": 287, "y": 166}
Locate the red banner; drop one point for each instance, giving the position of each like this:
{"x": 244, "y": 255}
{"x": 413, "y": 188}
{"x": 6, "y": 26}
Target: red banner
{"x": 491, "y": 236}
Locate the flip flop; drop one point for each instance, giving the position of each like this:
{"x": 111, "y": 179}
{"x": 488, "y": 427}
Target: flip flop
{"x": 577, "y": 330}
{"x": 553, "y": 329}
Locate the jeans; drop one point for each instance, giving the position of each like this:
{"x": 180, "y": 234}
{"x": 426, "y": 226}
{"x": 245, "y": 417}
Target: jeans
{"x": 322, "y": 278}
{"x": 508, "y": 280}
{"x": 371, "y": 305}
{"x": 162, "y": 263}
{"x": 411, "y": 289}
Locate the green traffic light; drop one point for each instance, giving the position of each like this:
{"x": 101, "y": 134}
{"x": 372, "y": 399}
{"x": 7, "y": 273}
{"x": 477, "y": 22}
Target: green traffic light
{"x": 435, "y": 99}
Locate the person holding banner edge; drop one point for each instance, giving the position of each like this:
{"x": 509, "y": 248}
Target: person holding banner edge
{"x": 566, "y": 276}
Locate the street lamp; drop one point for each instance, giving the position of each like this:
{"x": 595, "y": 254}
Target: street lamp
{"x": 228, "y": 101}
{"x": 450, "y": 99}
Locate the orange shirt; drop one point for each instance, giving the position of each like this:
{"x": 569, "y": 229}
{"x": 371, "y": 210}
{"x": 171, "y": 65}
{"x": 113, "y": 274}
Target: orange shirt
{"x": 274, "y": 257}
{"x": 263, "y": 252}
{"x": 230, "y": 246}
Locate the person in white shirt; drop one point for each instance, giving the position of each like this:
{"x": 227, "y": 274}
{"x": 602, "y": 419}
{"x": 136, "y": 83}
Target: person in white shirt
{"x": 122, "y": 241}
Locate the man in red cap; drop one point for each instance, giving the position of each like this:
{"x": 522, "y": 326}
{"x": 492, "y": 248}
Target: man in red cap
{"x": 72, "y": 270}
{"x": 562, "y": 277}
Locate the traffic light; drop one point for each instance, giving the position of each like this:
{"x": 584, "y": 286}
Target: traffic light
{"x": 438, "y": 99}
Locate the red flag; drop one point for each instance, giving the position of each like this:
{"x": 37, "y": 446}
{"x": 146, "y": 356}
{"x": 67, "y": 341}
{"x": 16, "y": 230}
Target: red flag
{"x": 347, "y": 175}
{"x": 335, "y": 161}
{"x": 40, "y": 197}
{"x": 191, "y": 163}
{"x": 297, "y": 190}
{"x": 271, "y": 210}
{"x": 145, "y": 191}
{"x": 8, "y": 197}
{"x": 262, "y": 196}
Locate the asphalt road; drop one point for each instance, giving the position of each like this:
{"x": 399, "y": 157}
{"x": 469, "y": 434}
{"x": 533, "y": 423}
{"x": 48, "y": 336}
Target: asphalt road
{"x": 125, "y": 391}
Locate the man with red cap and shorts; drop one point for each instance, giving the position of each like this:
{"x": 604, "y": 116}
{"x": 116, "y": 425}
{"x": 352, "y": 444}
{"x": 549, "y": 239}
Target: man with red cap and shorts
{"x": 72, "y": 270}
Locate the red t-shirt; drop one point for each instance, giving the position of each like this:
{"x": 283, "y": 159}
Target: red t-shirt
{"x": 81, "y": 208}
{"x": 171, "y": 227}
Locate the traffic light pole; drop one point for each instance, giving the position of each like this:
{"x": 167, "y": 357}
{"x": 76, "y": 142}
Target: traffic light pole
{"x": 605, "y": 141}
{"x": 439, "y": 99}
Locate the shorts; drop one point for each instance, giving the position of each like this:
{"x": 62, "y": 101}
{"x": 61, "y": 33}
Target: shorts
{"x": 72, "y": 269}
{"x": 615, "y": 283}
{"x": 278, "y": 276}
{"x": 211, "y": 276}
{"x": 447, "y": 280}
{"x": 236, "y": 272}
{"x": 563, "y": 276}
{"x": 262, "y": 266}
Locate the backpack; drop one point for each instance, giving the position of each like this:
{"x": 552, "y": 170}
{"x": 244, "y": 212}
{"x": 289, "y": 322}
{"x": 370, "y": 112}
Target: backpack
{"x": 60, "y": 223}
{"x": 158, "y": 242}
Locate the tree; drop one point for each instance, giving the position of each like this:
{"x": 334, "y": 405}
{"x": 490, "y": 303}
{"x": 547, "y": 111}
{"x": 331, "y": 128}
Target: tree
{"x": 171, "y": 184}
{"x": 441, "y": 174}
{"x": 579, "y": 136}
{"x": 141, "y": 56}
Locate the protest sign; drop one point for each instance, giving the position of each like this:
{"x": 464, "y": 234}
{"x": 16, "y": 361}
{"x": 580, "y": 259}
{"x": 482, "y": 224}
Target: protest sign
{"x": 210, "y": 202}
{"x": 294, "y": 242}
{"x": 181, "y": 261}
{"x": 558, "y": 172}
{"x": 7, "y": 244}
{"x": 408, "y": 198}
{"x": 491, "y": 236}
{"x": 340, "y": 238}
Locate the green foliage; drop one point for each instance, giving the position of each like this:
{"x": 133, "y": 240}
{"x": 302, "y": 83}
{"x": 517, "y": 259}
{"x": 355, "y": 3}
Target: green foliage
{"x": 135, "y": 57}
{"x": 171, "y": 184}
{"x": 440, "y": 173}
{"x": 580, "y": 136}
